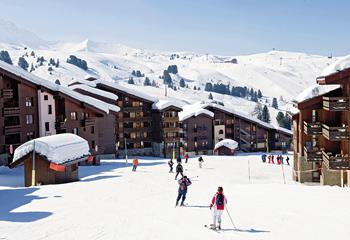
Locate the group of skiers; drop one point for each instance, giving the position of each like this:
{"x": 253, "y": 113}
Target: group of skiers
{"x": 179, "y": 167}
{"x": 270, "y": 158}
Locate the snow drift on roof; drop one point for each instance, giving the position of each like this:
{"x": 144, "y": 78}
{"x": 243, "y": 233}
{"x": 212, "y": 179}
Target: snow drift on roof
{"x": 315, "y": 91}
{"x": 193, "y": 110}
{"x": 59, "y": 148}
{"x": 163, "y": 104}
{"x": 95, "y": 91}
{"x": 229, "y": 143}
{"x": 127, "y": 90}
{"x": 54, "y": 87}
{"x": 82, "y": 81}
{"x": 337, "y": 66}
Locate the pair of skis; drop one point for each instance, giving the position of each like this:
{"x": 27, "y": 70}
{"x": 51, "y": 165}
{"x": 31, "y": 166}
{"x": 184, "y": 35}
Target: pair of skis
{"x": 211, "y": 227}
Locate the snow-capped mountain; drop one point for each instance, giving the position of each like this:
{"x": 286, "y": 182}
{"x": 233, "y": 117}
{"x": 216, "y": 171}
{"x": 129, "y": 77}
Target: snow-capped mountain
{"x": 276, "y": 73}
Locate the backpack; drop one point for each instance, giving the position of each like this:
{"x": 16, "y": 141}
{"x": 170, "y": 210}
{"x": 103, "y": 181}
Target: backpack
{"x": 179, "y": 168}
{"x": 220, "y": 199}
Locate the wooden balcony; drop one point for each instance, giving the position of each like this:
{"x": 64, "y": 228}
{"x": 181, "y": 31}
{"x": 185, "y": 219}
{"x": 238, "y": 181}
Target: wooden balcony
{"x": 335, "y": 162}
{"x": 88, "y": 122}
{"x": 12, "y": 129}
{"x": 171, "y": 129}
{"x": 336, "y": 103}
{"x": 312, "y": 155}
{"x": 335, "y": 133}
{"x": 7, "y": 93}
{"x": 313, "y": 128}
{"x": 10, "y": 111}
{"x": 129, "y": 108}
{"x": 170, "y": 119}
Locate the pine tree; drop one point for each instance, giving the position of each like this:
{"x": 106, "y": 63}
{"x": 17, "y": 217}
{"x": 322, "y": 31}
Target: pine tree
{"x": 154, "y": 84}
{"x": 194, "y": 88}
{"x": 133, "y": 73}
{"x": 251, "y": 92}
{"x": 274, "y": 103}
{"x": 32, "y": 68}
{"x": 210, "y": 96}
{"x": 131, "y": 80}
{"x": 265, "y": 116}
{"x": 58, "y": 82}
{"x": 57, "y": 63}
{"x": 5, "y": 56}
{"x": 182, "y": 83}
{"x": 23, "y": 63}
{"x": 208, "y": 87}
{"x": 147, "y": 82}
{"x": 167, "y": 78}
{"x": 259, "y": 94}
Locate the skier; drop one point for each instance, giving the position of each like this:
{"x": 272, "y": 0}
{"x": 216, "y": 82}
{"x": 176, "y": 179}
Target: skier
{"x": 179, "y": 170}
{"x": 186, "y": 158}
{"x": 135, "y": 163}
{"x": 200, "y": 161}
{"x": 278, "y": 158}
{"x": 281, "y": 159}
{"x": 184, "y": 182}
{"x": 178, "y": 159}
{"x": 263, "y": 157}
{"x": 171, "y": 163}
{"x": 287, "y": 160}
{"x": 218, "y": 202}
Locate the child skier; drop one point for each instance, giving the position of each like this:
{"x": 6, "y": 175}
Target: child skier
{"x": 218, "y": 202}
{"x": 287, "y": 160}
{"x": 184, "y": 182}
{"x": 200, "y": 161}
{"x": 171, "y": 163}
{"x": 179, "y": 170}
{"x": 135, "y": 163}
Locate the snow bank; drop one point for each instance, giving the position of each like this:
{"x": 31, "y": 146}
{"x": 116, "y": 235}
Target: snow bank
{"x": 59, "y": 148}
{"x": 193, "y": 110}
{"x": 163, "y": 104}
{"x": 315, "y": 91}
{"x": 95, "y": 91}
{"x": 337, "y": 66}
{"x": 229, "y": 143}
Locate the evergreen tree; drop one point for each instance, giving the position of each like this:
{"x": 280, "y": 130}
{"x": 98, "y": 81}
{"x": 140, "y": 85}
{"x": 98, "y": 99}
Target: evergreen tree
{"x": 23, "y": 63}
{"x": 194, "y": 88}
{"x": 283, "y": 120}
{"x": 208, "y": 87}
{"x": 5, "y": 56}
{"x": 133, "y": 73}
{"x": 265, "y": 115}
{"x": 182, "y": 83}
{"x": 50, "y": 69}
{"x": 210, "y": 96}
{"x": 77, "y": 62}
{"x": 154, "y": 84}
{"x": 172, "y": 69}
{"x": 167, "y": 78}
{"x": 259, "y": 94}
{"x": 32, "y": 68}
{"x": 147, "y": 82}
{"x": 58, "y": 82}
{"x": 32, "y": 54}
{"x": 274, "y": 103}
{"x": 57, "y": 63}
{"x": 131, "y": 80}
{"x": 251, "y": 92}
{"x": 199, "y": 88}
{"x": 138, "y": 73}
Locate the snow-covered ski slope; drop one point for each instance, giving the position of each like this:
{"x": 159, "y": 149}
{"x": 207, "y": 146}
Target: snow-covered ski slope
{"x": 112, "y": 202}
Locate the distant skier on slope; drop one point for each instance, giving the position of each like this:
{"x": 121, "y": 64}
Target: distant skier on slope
{"x": 186, "y": 158}
{"x": 287, "y": 160}
{"x": 135, "y": 163}
{"x": 218, "y": 202}
{"x": 178, "y": 159}
{"x": 200, "y": 161}
{"x": 171, "y": 163}
{"x": 179, "y": 170}
{"x": 184, "y": 182}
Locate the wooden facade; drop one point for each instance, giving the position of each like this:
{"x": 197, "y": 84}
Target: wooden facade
{"x": 321, "y": 135}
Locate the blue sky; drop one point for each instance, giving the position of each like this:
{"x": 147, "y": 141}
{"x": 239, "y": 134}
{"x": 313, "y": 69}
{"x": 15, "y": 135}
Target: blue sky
{"x": 203, "y": 26}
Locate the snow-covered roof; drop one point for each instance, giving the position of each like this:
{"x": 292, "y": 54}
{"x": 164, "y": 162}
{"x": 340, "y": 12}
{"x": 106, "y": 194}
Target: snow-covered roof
{"x": 315, "y": 91}
{"x": 60, "y": 148}
{"x": 339, "y": 65}
{"x": 163, "y": 104}
{"x": 55, "y": 87}
{"x": 96, "y": 91}
{"x": 127, "y": 90}
{"x": 82, "y": 81}
{"x": 229, "y": 143}
{"x": 193, "y": 110}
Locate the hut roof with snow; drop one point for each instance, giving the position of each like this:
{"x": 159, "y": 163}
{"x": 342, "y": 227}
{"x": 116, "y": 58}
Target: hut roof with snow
{"x": 229, "y": 143}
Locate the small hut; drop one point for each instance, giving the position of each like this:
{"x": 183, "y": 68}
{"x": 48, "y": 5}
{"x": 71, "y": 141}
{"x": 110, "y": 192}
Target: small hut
{"x": 52, "y": 159}
{"x": 225, "y": 147}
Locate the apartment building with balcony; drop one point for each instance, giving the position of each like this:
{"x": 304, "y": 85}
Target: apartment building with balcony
{"x": 321, "y": 131}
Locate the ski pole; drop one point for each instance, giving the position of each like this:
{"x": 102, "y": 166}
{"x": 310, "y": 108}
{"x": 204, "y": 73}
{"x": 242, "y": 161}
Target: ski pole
{"x": 230, "y": 218}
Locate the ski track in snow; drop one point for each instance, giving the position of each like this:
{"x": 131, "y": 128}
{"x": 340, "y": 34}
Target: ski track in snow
{"x": 111, "y": 202}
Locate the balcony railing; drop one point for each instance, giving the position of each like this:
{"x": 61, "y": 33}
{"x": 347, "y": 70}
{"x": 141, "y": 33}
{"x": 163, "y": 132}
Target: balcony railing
{"x": 335, "y": 133}
{"x": 335, "y": 162}
{"x": 313, "y": 128}
{"x": 8, "y": 111}
{"x": 12, "y": 129}
{"x": 7, "y": 93}
{"x": 88, "y": 122}
{"x": 336, "y": 103}
{"x": 312, "y": 155}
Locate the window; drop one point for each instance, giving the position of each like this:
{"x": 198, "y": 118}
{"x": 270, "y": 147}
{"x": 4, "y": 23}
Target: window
{"x": 29, "y": 119}
{"x": 92, "y": 129}
{"x": 49, "y": 110}
{"x": 30, "y": 136}
{"x": 47, "y": 126}
{"x": 93, "y": 144}
{"x": 73, "y": 116}
{"x": 75, "y": 131}
{"x": 133, "y": 135}
{"x": 132, "y": 115}
{"x": 29, "y": 101}
{"x": 221, "y": 131}
{"x": 46, "y": 97}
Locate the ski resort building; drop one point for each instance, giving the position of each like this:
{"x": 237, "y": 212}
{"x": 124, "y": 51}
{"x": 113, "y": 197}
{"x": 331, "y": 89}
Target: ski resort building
{"x": 321, "y": 130}
{"x": 55, "y": 159}
{"x": 34, "y": 107}
{"x": 197, "y": 130}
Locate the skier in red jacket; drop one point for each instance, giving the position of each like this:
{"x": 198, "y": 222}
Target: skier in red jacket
{"x": 218, "y": 202}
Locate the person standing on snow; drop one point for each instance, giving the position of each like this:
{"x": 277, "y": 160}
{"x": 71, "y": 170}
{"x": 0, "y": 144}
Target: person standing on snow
{"x": 171, "y": 163}
{"x": 218, "y": 202}
{"x": 135, "y": 163}
{"x": 184, "y": 182}
{"x": 186, "y": 158}
{"x": 200, "y": 161}
{"x": 179, "y": 170}
{"x": 178, "y": 159}
{"x": 287, "y": 160}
